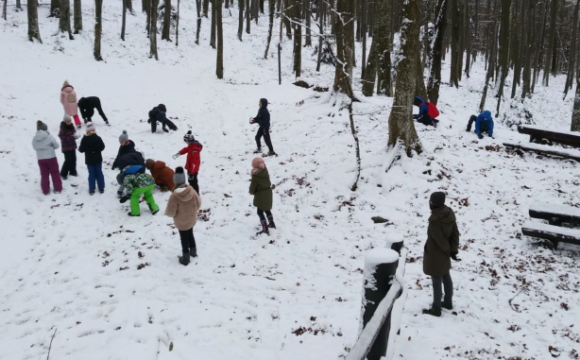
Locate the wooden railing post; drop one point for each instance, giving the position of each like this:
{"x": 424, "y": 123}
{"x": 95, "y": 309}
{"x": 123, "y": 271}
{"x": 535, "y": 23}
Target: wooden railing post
{"x": 380, "y": 269}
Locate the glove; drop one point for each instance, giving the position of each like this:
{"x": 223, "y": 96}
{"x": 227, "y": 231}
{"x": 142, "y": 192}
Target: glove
{"x": 123, "y": 199}
{"x": 176, "y": 155}
{"x": 480, "y": 136}
{"x": 252, "y": 121}
{"x": 454, "y": 257}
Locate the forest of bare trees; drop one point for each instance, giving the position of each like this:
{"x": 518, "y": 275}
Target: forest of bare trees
{"x": 521, "y": 44}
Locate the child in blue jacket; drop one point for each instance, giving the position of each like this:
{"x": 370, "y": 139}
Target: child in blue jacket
{"x": 483, "y": 124}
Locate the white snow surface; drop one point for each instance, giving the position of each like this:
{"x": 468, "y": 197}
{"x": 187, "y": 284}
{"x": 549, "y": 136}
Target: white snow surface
{"x": 556, "y": 209}
{"x": 245, "y": 296}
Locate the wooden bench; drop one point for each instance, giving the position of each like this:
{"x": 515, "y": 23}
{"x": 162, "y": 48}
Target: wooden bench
{"x": 552, "y": 234}
{"x": 540, "y": 136}
{"x": 570, "y": 154}
{"x": 556, "y": 214}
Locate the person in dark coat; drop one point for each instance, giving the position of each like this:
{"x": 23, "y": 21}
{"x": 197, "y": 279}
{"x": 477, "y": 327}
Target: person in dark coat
{"x": 126, "y": 156}
{"x": 263, "y": 119}
{"x": 68, "y": 143}
{"x": 441, "y": 246}
{"x": 159, "y": 114}
{"x": 261, "y": 188}
{"x": 92, "y": 146}
{"x": 483, "y": 124}
{"x": 87, "y": 107}
{"x": 423, "y": 116}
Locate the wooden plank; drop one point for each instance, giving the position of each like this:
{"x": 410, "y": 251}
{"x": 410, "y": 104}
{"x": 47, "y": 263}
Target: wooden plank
{"x": 556, "y": 214}
{"x": 545, "y": 150}
{"x": 536, "y": 135}
{"x": 555, "y": 234}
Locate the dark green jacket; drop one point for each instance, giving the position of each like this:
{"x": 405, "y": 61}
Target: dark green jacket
{"x": 261, "y": 188}
{"x": 442, "y": 241}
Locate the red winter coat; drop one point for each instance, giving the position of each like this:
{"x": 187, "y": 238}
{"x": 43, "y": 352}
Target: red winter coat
{"x": 193, "y": 158}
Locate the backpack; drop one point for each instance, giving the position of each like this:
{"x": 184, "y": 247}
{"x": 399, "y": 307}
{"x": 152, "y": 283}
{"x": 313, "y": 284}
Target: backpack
{"x": 432, "y": 111}
{"x": 71, "y": 98}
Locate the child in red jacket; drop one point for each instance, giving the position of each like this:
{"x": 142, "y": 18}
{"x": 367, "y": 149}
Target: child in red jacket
{"x": 193, "y": 161}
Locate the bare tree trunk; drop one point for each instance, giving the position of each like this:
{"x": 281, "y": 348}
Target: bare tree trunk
{"x": 572, "y": 57}
{"x": 492, "y": 57}
{"x": 18, "y": 6}
{"x": 54, "y": 4}
{"x": 468, "y": 39}
{"x": 297, "y": 37}
{"x": 519, "y": 39}
{"x": 455, "y": 34}
{"x": 166, "y": 31}
{"x": 459, "y": 66}
{"x": 384, "y": 37}
{"x": 576, "y": 112}
{"x": 321, "y": 16}
{"x": 64, "y": 22}
{"x": 401, "y": 125}
{"x": 504, "y": 49}
{"x": 5, "y": 10}
{"x": 530, "y": 41}
{"x": 241, "y": 19}
{"x": 551, "y": 43}
{"x": 198, "y": 8}
{"x": 177, "y": 24}
{"x": 343, "y": 69}
{"x": 286, "y": 20}
{"x": 220, "y": 40}
{"x": 308, "y": 16}
{"x": 130, "y": 6}
{"x": 78, "y": 16}
{"x": 435, "y": 74}
{"x": 147, "y": 3}
{"x": 98, "y": 29}
{"x": 33, "y": 29}
{"x": 124, "y": 21}
{"x": 248, "y": 17}
{"x": 206, "y": 8}
{"x": 541, "y": 45}
{"x": 212, "y": 40}
{"x": 271, "y": 10}
{"x": 153, "y": 30}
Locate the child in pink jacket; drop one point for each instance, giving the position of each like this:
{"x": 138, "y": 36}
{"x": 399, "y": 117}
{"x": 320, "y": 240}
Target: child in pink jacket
{"x": 68, "y": 99}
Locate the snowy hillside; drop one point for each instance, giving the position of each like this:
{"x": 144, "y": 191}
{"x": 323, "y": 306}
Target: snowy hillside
{"x": 111, "y": 286}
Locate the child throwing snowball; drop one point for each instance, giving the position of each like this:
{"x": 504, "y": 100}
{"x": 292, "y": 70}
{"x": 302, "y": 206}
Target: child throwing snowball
{"x": 193, "y": 150}
{"x": 261, "y": 188}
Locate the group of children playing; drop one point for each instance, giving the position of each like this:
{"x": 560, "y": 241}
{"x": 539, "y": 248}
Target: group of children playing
{"x": 184, "y": 202}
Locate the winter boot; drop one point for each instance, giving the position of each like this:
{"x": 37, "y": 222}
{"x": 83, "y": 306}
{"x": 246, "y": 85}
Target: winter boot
{"x": 101, "y": 191}
{"x": 184, "y": 260}
{"x": 264, "y": 228}
{"x": 432, "y": 311}
{"x": 92, "y": 192}
{"x": 193, "y": 252}
{"x": 272, "y": 153}
{"x": 258, "y": 151}
{"x": 153, "y": 211}
{"x": 448, "y": 306}
{"x": 271, "y": 224}
{"x": 131, "y": 214}
{"x": 63, "y": 177}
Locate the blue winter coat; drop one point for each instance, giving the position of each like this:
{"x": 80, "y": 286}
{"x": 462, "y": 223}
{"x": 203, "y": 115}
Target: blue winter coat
{"x": 423, "y": 107}
{"x": 484, "y": 123}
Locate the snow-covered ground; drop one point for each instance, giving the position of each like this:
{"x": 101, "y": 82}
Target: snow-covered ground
{"x": 69, "y": 263}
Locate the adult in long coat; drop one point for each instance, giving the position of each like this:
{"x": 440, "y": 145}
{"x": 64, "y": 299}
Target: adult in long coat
{"x": 441, "y": 246}
{"x": 261, "y": 188}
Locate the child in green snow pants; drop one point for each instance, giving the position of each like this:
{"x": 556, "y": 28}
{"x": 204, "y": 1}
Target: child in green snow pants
{"x": 136, "y": 195}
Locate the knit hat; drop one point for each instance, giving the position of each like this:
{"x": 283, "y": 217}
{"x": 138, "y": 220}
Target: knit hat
{"x": 41, "y": 126}
{"x": 124, "y": 136}
{"x": 91, "y": 128}
{"x": 437, "y": 199}
{"x": 189, "y": 138}
{"x": 65, "y": 84}
{"x": 258, "y": 163}
{"x": 179, "y": 177}
{"x": 162, "y": 108}
{"x": 149, "y": 163}
{"x": 67, "y": 119}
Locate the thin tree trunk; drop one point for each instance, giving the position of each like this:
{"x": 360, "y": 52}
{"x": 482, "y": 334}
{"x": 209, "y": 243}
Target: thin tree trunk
{"x": 468, "y": 40}
{"x": 576, "y": 112}
{"x": 220, "y": 40}
{"x": 308, "y": 16}
{"x": 98, "y": 29}
{"x": 271, "y": 10}
{"x": 321, "y": 16}
{"x": 530, "y": 41}
{"x": 572, "y": 57}
{"x": 212, "y": 40}
{"x": 435, "y": 74}
{"x": 297, "y": 37}
{"x": 241, "y": 19}
{"x": 147, "y": 3}
{"x": 166, "y": 31}
{"x": 492, "y": 57}
{"x": 5, "y": 10}
{"x": 206, "y": 8}
{"x": 124, "y": 21}
{"x": 504, "y": 48}
{"x": 54, "y": 4}
{"x": 384, "y": 37}
{"x": 540, "y": 47}
{"x": 33, "y": 29}
{"x": 286, "y": 20}
{"x": 18, "y": 6}
{"x": 248, "y": 17}
{"x": 198, "y": 8}
{"x": 343, "y": 69}
{"x": 459, "y": 67}
{"x": 177, "y": 24}
{"x": 401, "y": 124}
{"x": 153, "y": 30}
{"x": 517, "y": 49}
{"x": 78, "y": 16}
{"x": 551, "y": 43}
{"x": 455, "y": 34}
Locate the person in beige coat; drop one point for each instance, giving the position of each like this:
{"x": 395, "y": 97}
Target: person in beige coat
{"x": 183, "y": 206}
